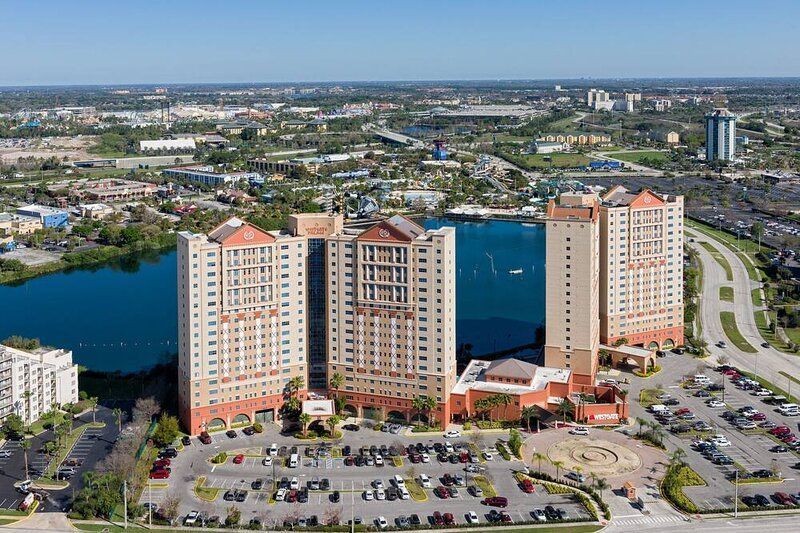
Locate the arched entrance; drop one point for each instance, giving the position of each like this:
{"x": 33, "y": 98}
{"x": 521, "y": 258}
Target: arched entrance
{"x": 372, "y": 413}
{"x": 240, "y": 419}
{"x": 420, "y": 418}
{"x": 349, "y": 411}
{"x": 396, "y": 417}
{"x": 653, "y": 345}
{"x": 318, "y": 426}
{"x": 668, "y": 343}
{"x": 216, "y": 423}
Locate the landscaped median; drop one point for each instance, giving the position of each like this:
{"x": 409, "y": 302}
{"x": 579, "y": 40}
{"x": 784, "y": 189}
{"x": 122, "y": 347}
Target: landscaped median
{"x": 590, "y": 499}
{"x": 72, "y": 438}
{"x": 717, "y": 255}
{"x": 417, "y": 493}
{"x": 677, "y": 477}
{"x": 482, "y": 483}
{"x": 726, "y": 293}
{"x": 207, "y": 494}
{"x": 728, "y": 320}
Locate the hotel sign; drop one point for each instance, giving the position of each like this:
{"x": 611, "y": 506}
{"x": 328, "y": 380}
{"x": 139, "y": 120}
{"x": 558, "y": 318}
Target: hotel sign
{"x": 604, "y": 416}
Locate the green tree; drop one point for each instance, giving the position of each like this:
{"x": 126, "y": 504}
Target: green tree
{"x": 166, "y": 431}
{"x": 539, "y": 457}
{"x": 558, "y": 466}
{"x": 336, "y": 382}
{"x": 118, "y": 415}
{"x": 13, "y": 426}
{"x": 529, "y": 412}
{"x": 25, "y": 445}
{"x": 565, "y": 409}
{"x": 305, "y": 419}
{"x": 332, "y": 422}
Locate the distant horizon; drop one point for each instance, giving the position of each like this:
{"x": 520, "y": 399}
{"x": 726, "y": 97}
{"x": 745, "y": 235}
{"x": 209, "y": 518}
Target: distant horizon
{"x": 201, "y": 41}
{"x": 616, "y": 79}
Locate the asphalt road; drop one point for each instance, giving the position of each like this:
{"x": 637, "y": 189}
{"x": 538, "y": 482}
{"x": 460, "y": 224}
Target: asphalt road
{"x": 768, "y": 362}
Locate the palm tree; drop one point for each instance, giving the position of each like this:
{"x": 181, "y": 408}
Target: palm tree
{"x": 25, "y": 445}
{"x": 336, "y": 382}
{"x": 529, "y": 412}
{"x": 481, "y": 406}
{"x": 305, "y": 419}
{"x": 27, "y": 396}
{"x": 504, "y": 400}
{"x": 292, "y": 404}
{"x": 118, "y": 414}
{"x": 418, "y": 404}
{"x": 601, "y": 484}
{"x": 93, "y": 403}
{"x": 430, "y": 407}
{"x": 565, "y": 409}
{"x": 676, "y": 457}
{"x": 332, "y": 422}
{"x": 296, "y": 383}
{"x": 539, "y": 457}
{"x": 559, "y": 465}
{"x": 643, "y": 423}
{"x": 657, "y": 434}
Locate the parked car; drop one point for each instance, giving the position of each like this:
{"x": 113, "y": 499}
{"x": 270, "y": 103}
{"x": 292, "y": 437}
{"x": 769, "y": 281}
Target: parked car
{"x": 239, "y": 459}
{"x": 579, "y": 430}
{"x": 495, "y": 501}
{"x": 231, "y": 434}
{"x": 205, "y": 438}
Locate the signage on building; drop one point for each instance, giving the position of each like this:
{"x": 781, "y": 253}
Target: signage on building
{"x": 604, "y": 416}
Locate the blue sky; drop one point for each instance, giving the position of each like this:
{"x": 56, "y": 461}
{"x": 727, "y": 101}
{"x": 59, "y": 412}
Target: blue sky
{"x": 94, "y": 42}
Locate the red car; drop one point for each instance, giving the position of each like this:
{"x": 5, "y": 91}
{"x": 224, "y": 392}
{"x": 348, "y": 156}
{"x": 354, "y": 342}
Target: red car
{"x": 780, "y": 430}
{"x": 238, "y": 459}
{"x": 161, "y": 463}
{"x": 415, "y": 458}
{"x": 448, "y": 480}
{"x": 784, "y": 499}
{"x": 291, "y": 497}
{"x": 442, "y": 492}
{"x": 527, "y": 486}
{"x": 758, "y": 417}
{"x": 449, "y": 520}
{"x": 786, "y": 439}
{"x": 683, "y": 411}
{"x": 496, "y": 501}
{"x": 438, "y": 520}
{"x": 161, "y": 473}
{"x": 505, "y": 517}
{"x": 205, "y": 438}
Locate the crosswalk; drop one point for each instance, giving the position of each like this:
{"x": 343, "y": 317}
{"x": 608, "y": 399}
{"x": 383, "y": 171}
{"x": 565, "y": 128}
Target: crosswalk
{"x": 647, "y": 520}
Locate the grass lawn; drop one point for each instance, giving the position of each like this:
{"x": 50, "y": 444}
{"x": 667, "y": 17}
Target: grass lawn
{"x": 548, "y": 529}
{"x": 793, "y": 334}
{"x": 38, "y": 426}
{"x": 642, "y": 157}
{"x": 756, "y": 296}
{"x": 207, "y": 494}
{"x": 418, "y": 494}
{"x": 728, "y": 320}
{"x": 726, "y": 294}
{"x": 485, "y": 486}
{"x": 6, "y": 521}
{"x": 558, "y": 160}
{"x": 717, "y": 255}
{"x": 564, "y": 123}
{"x": 647, "y": 397}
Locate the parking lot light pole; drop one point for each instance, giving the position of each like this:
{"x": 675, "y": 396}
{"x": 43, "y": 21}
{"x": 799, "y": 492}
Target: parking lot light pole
{"x": 149, "y": 505}
{"x": 736, "y": 495}
{"x": 125, "y": 500}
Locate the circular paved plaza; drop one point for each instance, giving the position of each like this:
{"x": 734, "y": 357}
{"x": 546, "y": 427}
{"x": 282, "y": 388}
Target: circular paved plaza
{"x": 594, "y": 456}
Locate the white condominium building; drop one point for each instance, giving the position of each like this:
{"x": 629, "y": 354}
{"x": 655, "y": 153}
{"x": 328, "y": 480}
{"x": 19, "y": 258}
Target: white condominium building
{"x": 32, "y": 382}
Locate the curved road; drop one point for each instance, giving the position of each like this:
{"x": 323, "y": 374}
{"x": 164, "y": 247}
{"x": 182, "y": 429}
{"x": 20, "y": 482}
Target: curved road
{"x": 769, "y": 360}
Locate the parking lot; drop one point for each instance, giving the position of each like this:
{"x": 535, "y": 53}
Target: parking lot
{"x": 93, "y": 445}
{"x": 750, "y": 450}
{"x": 351, "y": 481}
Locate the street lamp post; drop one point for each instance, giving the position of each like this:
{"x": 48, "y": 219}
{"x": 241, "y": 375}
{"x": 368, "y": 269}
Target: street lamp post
{"x": 736, "y": 495}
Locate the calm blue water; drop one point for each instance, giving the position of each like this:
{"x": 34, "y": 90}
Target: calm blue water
{"x": 123, "y": 316}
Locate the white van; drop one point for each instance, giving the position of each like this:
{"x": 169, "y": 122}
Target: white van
{"x": 294, "y": 460}
{"x": 659, "y": 408}
{"x": 789, "y": 409}
{"x": 702, "y": 378}
{"x": 399, "y": 481}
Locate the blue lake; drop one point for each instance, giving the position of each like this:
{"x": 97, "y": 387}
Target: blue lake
{"x": 122, "y": 316}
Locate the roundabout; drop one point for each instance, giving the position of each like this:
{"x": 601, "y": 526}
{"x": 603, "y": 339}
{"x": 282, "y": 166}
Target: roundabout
{"x": 594, "y": 456}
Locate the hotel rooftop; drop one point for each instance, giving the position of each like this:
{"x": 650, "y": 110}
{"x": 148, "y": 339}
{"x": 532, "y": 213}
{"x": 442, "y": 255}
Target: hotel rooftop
{"x": 486, "y": 375}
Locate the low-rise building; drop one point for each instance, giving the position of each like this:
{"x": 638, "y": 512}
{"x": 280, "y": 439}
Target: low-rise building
{"x": 576, "y": 138}
{"x": 50, "y": 217}
{"x": 117, "y": 190}
{"x": 14, "y": 224}
{"x": 207, "y": 175}
{"x": 544, "y": 147}
{"x": 31, "y": 382}
{"x": 168, "y": 145}
{"x": 95, "y": 211}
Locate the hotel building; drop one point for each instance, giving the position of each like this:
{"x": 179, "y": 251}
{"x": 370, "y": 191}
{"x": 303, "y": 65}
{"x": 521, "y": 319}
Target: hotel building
{"x": 720, "y": 135}
{"x": 48, "y": 375}
{"x": 572, "y": 289}
{"x": 242, "y": 326}
{"x": 391, "y": 323}
{"x": 641, "y": 258}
